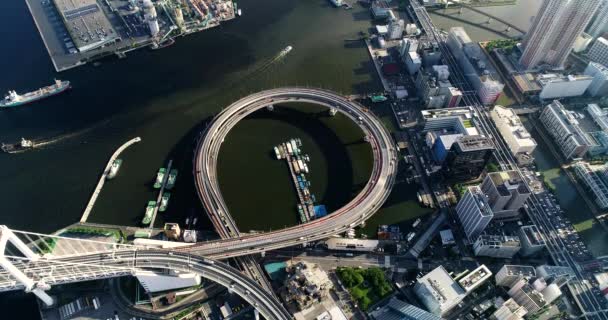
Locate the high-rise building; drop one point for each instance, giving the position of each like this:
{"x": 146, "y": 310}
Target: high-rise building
{"x": 599, "y": 25}
{"x": 509, "y": 310}
{"x": 599, "y": 51}
{"x": 599, "y": 85}
{"x": 468, "y": 157}
{"x": 474, "y": 212}
{"x": 395, "y": 29}
{"x": 527, "y": 296}
{"x": 496, "y": 246}
{"x": 506, "y": 192}
{"x": 554, "y": 31}
{"x": 565, "y": 130}
{"x": 439, "y": 292}
{"x": 555, "y": 274}
{"x": 509, "y": 275}
{"x": 475, "y": 65}
{"x": 562, "y": 86}
{"x": 397, "y": 309}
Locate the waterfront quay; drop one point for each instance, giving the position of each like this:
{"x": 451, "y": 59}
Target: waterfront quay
{"x": 119, "y": 27}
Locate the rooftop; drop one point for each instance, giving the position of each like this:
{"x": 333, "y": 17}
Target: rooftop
{"x": 533, "y": 235}
{"x": 473, "y": 143}
{"x": 481, "y": 200}
{"x": 475, "y": 278}
{"x": 545, "y": 79}
{"x": 508, "y": 180}
{"x": 508, "y": 117}
{"x": 524, "y": 271}
{"x": 444, "y": 290}
{"x": 399, "y": 310}
{"x": 499, "y": 240}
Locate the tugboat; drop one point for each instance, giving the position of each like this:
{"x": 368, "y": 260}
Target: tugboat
{"x": 114, "y": 169}
{"x": 171, "y": 179}
{"x": 22, "y": 146}
{"x": 164, "y": 201}
{"x": 160, "y": 176}
{"x": 149, "y": 212}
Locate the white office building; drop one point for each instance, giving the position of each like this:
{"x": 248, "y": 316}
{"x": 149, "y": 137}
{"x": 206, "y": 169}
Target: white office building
{"x": 439, "y": 292}
{"x": 512, "y": 130}
{"x": 475, "y": 278}
{"x": 497, "y": 246}
{"x": 561, "y": 86}
{"x": 565, "y": 131}
{"x": 509, "y": 310}
{"x": 599, "y": 51}
{"x": 456, "y": 120}
{"x": 395, "y": 29}
{"x": 599, "y": 85}
{"x": 582, "y": 42}
{"x": 554, "y": 31}
{"x": 474, "y": 212}
{"x": 509, "y": 274}
{"x": 527, "y": 296}
{"x": 593, "y": 182}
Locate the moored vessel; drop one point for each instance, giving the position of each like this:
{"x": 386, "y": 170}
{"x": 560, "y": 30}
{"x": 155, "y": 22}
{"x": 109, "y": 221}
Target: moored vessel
{"x": 160, "y": 176}
{"x": 171, "y": 179}
{"x": 114, "y": 168}
{"x": 13, "y": 99}
{"x": 164, "y": 202}
{"x": 149, "y": 212}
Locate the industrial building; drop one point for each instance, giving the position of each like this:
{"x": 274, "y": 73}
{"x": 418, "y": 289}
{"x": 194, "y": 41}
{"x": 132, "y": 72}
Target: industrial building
{"x": 468, "y": 157}
{"x": 351, "y": 244}
{"x": 399, "y": 310}
{"x": 509, "y": 310}
{"x": 565, "y": 130}
{"x": 599, "y": 85}
{"x": 88, "y": 26}
{"x": 561, "y": 86}
{"x": 506, "y": 192}
{"x": 531, "y": 240}
{"x": 512, "y": 130}
{"x": 509, "y": 275}
{"x": 599, "y": 51}
{"x": 439, "y": 292}
{"x": 497, "y": 246}
{"x": 554, "y": 31}
{"x": 474, "y": 212}
{"x": 593, "y": 182}
{"x": 475, "y": 65}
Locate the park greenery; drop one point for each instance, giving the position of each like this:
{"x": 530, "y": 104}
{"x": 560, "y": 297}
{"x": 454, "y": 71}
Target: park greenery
{"x": 115, "y": 233}
{"x": 505, "y": 44}
{"x": 366, "y": 286}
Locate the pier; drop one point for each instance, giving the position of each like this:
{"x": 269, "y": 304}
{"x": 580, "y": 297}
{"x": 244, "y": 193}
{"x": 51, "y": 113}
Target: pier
{"x": 102, "y": 180}
{"x": 160, "y": 193}
{"x": 290, "y": 151}
{"x": 370, "y": 49}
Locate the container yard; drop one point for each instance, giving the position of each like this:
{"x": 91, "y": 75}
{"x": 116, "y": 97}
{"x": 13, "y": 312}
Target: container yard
{"x": 291, "y": 152}
{"x": 75, "y": 33}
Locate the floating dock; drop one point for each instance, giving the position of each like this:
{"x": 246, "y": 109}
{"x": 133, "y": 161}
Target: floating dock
{"x": 298, "y": 168}
{"x": 160, "y": 194}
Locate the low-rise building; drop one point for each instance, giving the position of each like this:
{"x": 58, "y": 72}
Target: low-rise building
{"x": 512, "y": 130}
{"x": 565, "y": 131}
{"x": 439, "y": 292}
{"x": 475, "y": 278}
{"x": 509, "y": 310}
{"x": 562, "y": 86}
{"x": 305, "y": 285}
{"x": 531, "y": 240}
{"x": 352, "y": 244}
{"x": 497, "y": 246}
{"x": 599, "y": 51}
{"x": 509, "y": 275}
{"x": 599, "y": 85}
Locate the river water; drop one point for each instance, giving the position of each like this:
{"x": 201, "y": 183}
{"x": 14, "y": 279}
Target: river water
{"x": 165, "y": 96}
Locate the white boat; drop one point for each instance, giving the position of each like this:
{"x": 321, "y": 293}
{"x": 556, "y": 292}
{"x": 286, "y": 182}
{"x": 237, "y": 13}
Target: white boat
{"x": 114, "y": 169}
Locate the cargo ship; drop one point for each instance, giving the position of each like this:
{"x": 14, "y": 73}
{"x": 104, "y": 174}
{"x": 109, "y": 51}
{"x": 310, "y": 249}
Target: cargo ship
{"x": 171, "y": 179}
{"x": 160, "y": 176}
{"x": 21, "y": 146}
{"x": 114, "y": 169}
{"x": 149, "y": 212}
{"x": 164, "y": 201}
{"x": 13, "y": 99}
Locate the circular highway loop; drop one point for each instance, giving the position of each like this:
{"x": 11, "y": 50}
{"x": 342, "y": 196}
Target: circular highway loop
{"x": 354, "y": 213}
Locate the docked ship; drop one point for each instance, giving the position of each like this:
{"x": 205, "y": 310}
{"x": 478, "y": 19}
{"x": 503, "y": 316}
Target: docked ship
{"x": 160, "y": 176}
{"x": 114, "y": 168}
{"x": 171, "y": 179}
{"x": 164, "y": 202}
{"x": 22, "y": 146}
{"x": 13, "y": 99}
{"x": 149, "y": 212}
